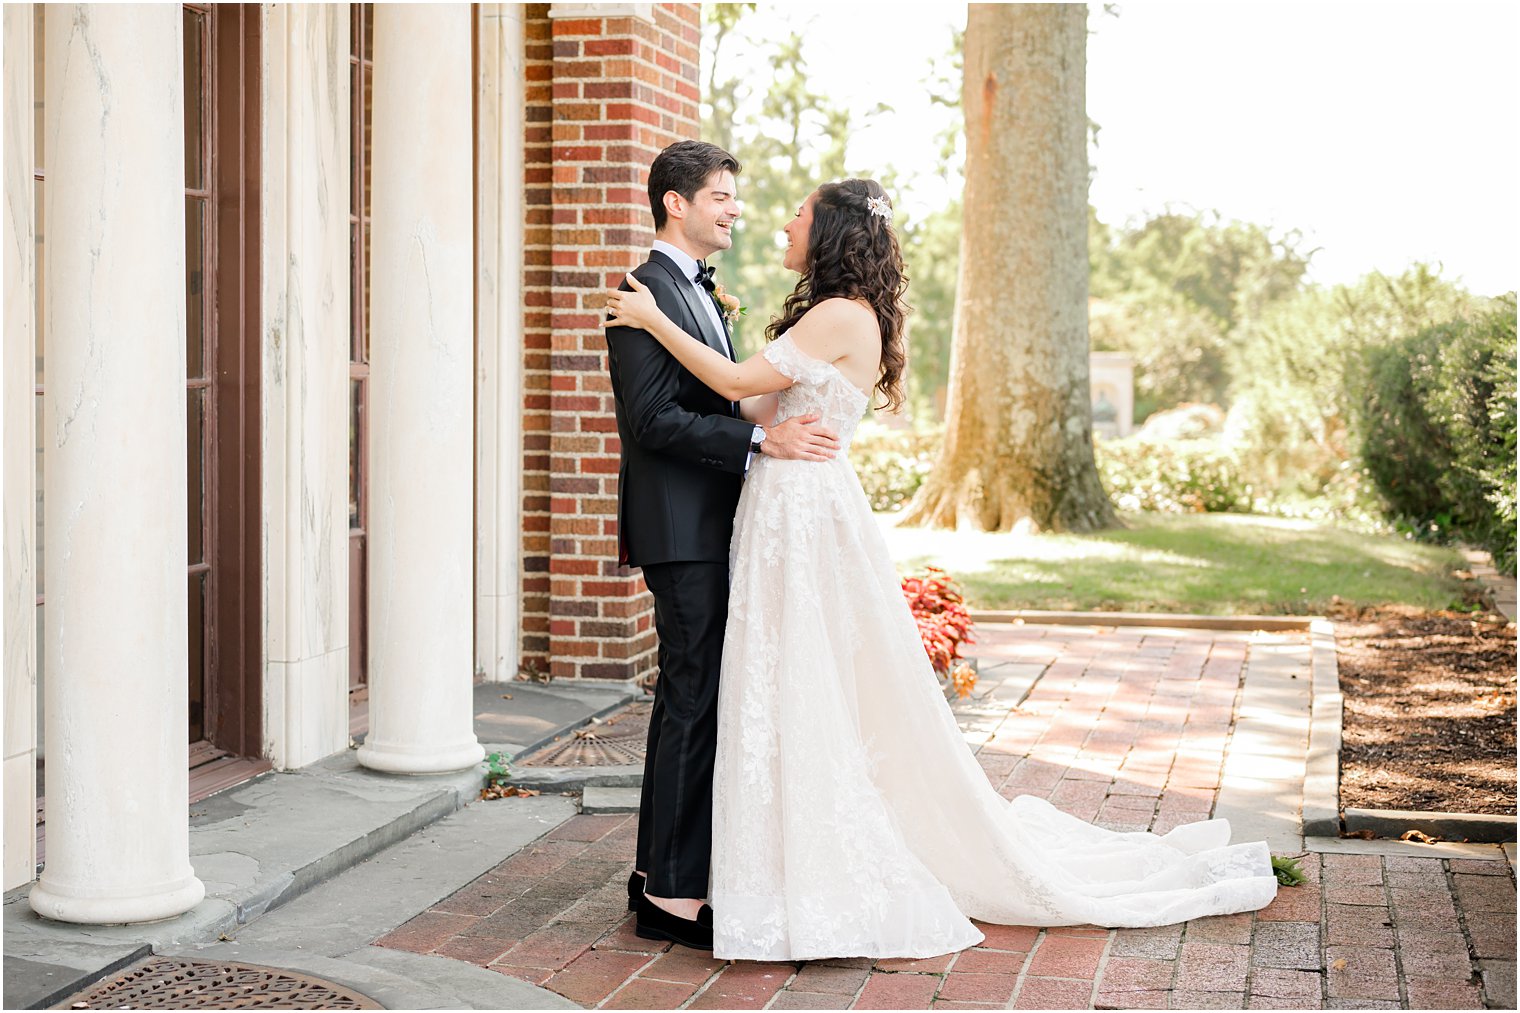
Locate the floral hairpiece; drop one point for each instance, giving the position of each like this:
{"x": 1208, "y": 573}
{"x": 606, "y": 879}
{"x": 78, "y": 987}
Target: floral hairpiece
{"x": 880, "y": 207}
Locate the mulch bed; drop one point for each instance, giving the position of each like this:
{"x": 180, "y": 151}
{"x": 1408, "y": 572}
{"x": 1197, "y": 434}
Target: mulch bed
{"x": 1429, "y": 720}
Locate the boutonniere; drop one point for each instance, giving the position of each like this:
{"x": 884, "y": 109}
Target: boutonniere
{"x": 732, "y": 308}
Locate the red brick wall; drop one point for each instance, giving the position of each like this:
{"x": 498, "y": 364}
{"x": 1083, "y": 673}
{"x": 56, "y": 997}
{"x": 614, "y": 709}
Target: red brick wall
{"x": 605, "y": 94}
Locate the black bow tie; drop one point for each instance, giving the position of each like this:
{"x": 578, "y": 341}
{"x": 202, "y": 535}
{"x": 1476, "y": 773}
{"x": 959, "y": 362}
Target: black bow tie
{"x": 704, "y": 275}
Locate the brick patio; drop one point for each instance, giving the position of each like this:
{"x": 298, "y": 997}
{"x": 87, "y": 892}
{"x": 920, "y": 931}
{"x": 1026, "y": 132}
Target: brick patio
{"x": 1366, "y": 932}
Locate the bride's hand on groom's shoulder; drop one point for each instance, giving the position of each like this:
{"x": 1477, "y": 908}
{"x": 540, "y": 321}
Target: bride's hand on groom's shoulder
{"x": 632, "y": 309}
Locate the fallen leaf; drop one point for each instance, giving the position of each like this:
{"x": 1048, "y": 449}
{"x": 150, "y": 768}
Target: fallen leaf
{"x": 1360, "y": 835}
{"x": 1415, "y": 835}
{"x": 1338, "y": 965}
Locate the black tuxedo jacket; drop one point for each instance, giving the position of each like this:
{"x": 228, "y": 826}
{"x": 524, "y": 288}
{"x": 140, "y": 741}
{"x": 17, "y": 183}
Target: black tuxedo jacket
{"x": 684, "y": 447}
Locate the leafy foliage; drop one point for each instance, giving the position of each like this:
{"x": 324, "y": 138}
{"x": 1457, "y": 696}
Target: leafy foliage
{"x": 1299, "y": 370}
{"x": 1438, "y": 429}
{"x": 1475, "y": 400}
{"x": 789, "y": 141}
{"x": 498, "y": 768}
{"x": 1405, "y": 449}
{"x": 499, "y": 777}
{"x": 1181, "y": 476}
{"x": 1177, "y": 476}
{"x": 1287, "y": 871}
{"x": 931, "y": 250}
{"x": 944, "y": 623}
{"x": 891, "y": 463}
{"x": 1174, "y": 291}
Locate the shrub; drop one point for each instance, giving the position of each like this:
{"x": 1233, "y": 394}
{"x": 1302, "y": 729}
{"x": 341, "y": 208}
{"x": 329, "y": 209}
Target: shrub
{"x": 1180, "y": 476}
{"x": 892, "y": 463}
{"x": 1438, "y": 429}
{"x": 1287, "y": 418}
{"x": 944, "y": 624}
{"x": 1475, "y": 400}
{"x": 1299, "y": 372}
{"x": 1404, "y": 449}
{"x": 1346, "y": 499}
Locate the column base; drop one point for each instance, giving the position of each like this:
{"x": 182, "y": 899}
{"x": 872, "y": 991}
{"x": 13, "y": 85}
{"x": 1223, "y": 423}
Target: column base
{"x": 397, "y": 758}
{"x": 60, "y": 903}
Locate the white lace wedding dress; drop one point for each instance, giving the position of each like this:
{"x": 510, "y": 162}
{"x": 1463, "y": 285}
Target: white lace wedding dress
{"x": 849, "y": 816}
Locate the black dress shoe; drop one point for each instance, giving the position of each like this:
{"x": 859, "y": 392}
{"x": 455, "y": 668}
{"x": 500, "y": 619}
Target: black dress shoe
{"x": 635, "y": 890}
{"x": 654, "y": 922}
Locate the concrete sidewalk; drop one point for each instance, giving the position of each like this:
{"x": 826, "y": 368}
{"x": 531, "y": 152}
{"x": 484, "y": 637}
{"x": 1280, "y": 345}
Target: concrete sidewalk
{"x": 1132, "y": 728}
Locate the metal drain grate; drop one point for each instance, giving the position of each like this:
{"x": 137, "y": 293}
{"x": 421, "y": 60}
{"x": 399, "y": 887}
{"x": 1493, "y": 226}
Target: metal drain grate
{"x": 174, "y": 983}
{"x": 615, "y": 741}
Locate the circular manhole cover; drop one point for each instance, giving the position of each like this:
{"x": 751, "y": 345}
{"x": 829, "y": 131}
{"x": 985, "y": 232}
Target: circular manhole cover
{"x": 176, "y": 983}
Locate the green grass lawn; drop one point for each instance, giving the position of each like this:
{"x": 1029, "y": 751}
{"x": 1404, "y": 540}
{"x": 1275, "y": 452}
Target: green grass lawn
{"x": 1214, "y": 564}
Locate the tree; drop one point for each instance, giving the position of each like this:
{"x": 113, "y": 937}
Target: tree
{"x": 1018, "y": 441}
{"x": 1298, "y": 371}
{"x": 789, "y": 138}
{"x": 930, "y": 246}
{"x": 1180, "y": 291}
{"x": 722, "y": 93}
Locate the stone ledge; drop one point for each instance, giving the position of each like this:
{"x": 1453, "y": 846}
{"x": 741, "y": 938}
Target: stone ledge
{"x": 1472, "y": 828}
{"x": 538, "y": 713}
{"x": 1322, "y": 774}
{"x": 1172, "y": 620}
{"x": 599, "y": 801}
{"x": 263, "y": 843}
{"x": 38, "y": 984}
{"x": 1403, "y": 849}
{"x": 1481, "y": 563}
{"x": 256, "y": 846}
{"x": 573, "y": 779}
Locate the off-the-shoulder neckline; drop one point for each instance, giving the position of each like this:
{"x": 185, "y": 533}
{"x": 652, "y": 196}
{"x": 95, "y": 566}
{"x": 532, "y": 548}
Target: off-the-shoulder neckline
{"x": 787, "y": 334}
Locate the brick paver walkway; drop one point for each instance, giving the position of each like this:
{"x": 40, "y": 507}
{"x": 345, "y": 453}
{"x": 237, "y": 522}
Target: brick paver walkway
{"x": 1125, "y": 727}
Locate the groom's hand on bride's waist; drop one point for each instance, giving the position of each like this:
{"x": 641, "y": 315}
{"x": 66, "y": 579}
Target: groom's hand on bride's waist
{"x": 801, "y": 438}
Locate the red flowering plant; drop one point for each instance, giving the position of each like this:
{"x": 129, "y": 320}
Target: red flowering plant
{"x": 944, "y": 624}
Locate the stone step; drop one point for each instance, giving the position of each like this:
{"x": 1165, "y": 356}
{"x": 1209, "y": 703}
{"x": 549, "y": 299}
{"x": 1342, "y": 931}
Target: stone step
{"x": 331, "y": 930}
{"x": 263, "y": 843}
{"x": 574, "y": 779}
{"x": 255, "y": 846}
{"x": 599, "y": 800}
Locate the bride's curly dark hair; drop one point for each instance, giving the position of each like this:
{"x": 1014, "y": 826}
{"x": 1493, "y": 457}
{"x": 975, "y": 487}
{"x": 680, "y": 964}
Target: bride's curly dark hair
{"x": 854, "y": 253}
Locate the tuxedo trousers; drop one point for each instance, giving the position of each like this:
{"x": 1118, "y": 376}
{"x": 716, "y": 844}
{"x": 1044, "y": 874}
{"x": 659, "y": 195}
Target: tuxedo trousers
{"x": 675, "y": 808}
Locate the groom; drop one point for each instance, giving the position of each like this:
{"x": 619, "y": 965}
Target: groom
{"x": 685, "y": 451}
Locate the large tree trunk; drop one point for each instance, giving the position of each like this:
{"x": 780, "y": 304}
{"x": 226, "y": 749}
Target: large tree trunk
{"x": 1018, "y": 437}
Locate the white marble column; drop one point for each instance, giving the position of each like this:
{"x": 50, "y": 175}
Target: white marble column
{"x": 114, "y": 439}
{"x": 305, "y": 310}
{"x": 499, "y": 339}
{"x": 422, "y": 392}
{"x": 20, "y": 448}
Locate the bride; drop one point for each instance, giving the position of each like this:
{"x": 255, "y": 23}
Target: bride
{"x": 849, "y": 817}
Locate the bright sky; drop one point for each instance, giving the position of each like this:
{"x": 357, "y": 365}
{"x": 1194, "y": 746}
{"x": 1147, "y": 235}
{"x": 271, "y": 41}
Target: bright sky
{"x": 1386, "y": 132}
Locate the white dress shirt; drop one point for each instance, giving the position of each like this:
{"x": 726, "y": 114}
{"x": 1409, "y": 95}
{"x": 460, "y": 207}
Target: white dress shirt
{"x": 689, "y": 269}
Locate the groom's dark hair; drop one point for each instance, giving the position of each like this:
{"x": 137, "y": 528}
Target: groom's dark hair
{"x": 684, "y": 167}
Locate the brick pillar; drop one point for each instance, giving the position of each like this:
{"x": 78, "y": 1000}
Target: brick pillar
{"x": 609, "y": 85}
